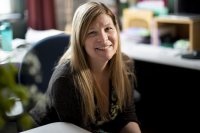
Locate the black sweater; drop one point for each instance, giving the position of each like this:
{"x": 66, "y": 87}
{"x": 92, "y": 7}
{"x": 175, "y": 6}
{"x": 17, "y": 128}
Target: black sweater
{"x": 64, "y": 105}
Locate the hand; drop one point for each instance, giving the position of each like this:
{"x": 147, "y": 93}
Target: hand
{"x": 131, "y": 127}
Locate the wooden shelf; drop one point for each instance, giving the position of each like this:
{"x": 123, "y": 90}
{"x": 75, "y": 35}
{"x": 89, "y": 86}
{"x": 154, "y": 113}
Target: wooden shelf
{"x": 187, "y": 27}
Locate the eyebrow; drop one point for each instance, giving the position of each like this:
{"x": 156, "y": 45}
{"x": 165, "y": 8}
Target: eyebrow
{"x": 108, "y": 24}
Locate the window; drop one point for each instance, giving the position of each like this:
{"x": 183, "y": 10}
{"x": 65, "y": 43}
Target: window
{"x": 5, "y": 7}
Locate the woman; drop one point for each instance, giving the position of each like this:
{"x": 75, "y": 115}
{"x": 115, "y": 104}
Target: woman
{"x": 92, "y": 85}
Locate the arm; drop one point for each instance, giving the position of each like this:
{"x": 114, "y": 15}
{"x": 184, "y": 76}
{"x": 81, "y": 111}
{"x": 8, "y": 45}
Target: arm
{"x": 129, "y": 114}
{"x": 65, "y": 101}
{"x": 131, "y": 127}
{"x": 130, "y": 120}
{"x": 64, "y": 97}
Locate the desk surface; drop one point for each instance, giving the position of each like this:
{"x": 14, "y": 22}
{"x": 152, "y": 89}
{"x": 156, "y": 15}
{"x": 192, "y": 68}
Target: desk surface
{"x": 57, "y": 127}
{"x": 32, "y": 36}
{"x": 14, "y": 56}
{"x": 160, "y": 55}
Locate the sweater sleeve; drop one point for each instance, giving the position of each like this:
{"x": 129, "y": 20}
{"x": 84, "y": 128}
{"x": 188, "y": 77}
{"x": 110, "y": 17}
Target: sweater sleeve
{"x": 123, "y": 118}
{"x": 127, "y": 115}
{"x": 65, "y": 99}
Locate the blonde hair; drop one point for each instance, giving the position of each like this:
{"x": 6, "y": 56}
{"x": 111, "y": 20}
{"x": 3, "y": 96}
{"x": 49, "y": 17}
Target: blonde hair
{"x": 83, "y": 78}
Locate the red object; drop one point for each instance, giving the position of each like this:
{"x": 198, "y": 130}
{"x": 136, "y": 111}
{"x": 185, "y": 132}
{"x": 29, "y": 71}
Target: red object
{"x": 41, "y": 14}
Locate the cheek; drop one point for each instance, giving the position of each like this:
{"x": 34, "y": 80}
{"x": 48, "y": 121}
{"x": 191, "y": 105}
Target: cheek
{"x": 88, "y": 45}
{"x": 115, "y": 41}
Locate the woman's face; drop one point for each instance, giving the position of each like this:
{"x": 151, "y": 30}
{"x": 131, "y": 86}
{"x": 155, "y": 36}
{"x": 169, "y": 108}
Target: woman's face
{"x": 101, "y": 39}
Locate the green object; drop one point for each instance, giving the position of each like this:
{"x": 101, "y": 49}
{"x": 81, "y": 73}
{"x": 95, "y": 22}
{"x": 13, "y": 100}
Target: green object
{"x": 181, "y": 44}
{"x": 12, "y": 92}
{"x": 167, "y": 45}
{"x": 6, "y": 36}
{"x": 160, "y": 11}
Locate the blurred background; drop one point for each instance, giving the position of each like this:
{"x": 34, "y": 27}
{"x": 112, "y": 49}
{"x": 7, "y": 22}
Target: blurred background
{"x": 167, "y": 81}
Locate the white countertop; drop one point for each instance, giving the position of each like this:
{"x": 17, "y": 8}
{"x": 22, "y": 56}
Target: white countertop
{"x": 15, "y": 56}
{"x": 57, "y": 127}
{"x": 160, "y": 55}
{"x": 20, "y": 46}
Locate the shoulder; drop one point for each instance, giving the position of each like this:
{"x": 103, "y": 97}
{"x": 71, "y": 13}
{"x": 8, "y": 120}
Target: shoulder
{"x": 61, "y": 78}
{"x": 127, "y": 59}
{"x": 62, "y": 70}
{"x": 129, "y": 62}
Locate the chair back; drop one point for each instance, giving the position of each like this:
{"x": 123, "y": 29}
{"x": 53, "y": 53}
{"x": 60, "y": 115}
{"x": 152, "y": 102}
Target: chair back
{"x": 39, "y": 62}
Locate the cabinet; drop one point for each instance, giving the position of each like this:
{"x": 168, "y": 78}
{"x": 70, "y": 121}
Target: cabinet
{"x": 182, "y": 27}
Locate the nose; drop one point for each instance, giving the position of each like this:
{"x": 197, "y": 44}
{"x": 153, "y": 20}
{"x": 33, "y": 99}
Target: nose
{"x": 103, "y": 37}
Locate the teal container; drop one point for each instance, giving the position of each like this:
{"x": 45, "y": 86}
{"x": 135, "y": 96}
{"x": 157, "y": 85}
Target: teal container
{"x": 6, "y": 36}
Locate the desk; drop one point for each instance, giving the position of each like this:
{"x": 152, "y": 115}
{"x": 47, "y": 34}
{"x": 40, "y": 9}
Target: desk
{"x": 156, "y": 54}
{"x": 57, "y": 127}
{"x": 32, "y": 36}
{"x": 14, "y": 56}
{"x": 168, "y": 85}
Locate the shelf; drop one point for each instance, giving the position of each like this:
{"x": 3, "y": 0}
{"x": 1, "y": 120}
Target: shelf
{"x": 183, "y": 26}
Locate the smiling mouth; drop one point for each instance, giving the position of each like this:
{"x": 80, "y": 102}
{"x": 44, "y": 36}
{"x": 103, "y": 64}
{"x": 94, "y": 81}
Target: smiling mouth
{"x": 103, "y": 48}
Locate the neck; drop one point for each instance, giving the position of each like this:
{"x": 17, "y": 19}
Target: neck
{"x": 100, "y": 73}
{"x": 101, "y": 76}
{"x": 99, "y": 68}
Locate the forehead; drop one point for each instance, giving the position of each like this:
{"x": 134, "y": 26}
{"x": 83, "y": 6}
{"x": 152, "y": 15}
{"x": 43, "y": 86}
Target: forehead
{"x": 102, "y": 19}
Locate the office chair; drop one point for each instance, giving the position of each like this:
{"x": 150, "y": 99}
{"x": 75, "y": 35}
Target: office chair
{"x": 39, "y": 61}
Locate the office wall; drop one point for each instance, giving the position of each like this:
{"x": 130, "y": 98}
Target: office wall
{"x": 64, "y": 12}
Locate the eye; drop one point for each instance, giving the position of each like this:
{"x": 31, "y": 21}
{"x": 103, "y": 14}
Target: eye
{"x": 92, "y": 33}
{"x": 108, "y": 28}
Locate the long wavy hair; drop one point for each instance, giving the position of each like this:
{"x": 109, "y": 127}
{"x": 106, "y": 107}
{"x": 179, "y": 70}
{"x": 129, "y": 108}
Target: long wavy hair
{"x": 83, "y": 79}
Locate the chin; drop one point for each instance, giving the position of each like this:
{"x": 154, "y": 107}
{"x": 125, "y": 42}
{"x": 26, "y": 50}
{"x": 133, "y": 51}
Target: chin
{"x": 108, "y": 57}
